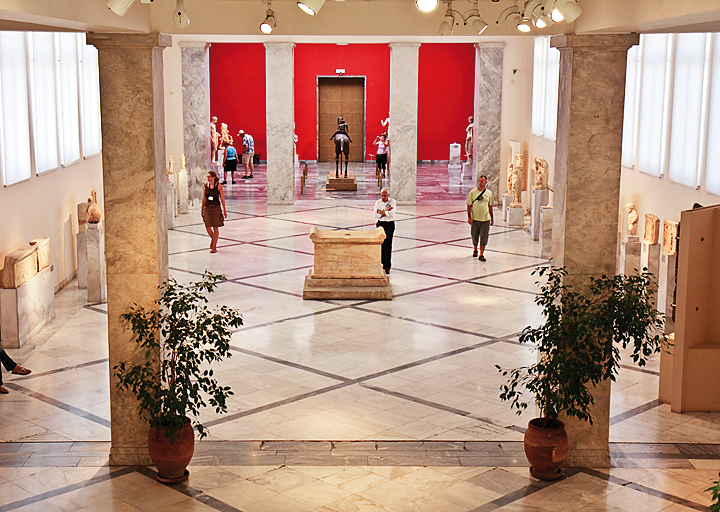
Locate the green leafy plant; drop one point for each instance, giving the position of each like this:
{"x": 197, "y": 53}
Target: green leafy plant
{"x": 182, "y": 337}
{"x": 715, "y": 490}
{"x": 579, "y": 342}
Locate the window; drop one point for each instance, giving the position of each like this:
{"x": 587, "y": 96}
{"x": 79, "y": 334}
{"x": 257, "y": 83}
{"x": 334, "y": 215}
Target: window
{"x": 43, "y": 63}
{"x": 546, "y": 77}
{"x": 630, "y": 112}
{"x": 15, "y": 158}
{"x": 712, "y": 170}
{"x": 70, "y": 98}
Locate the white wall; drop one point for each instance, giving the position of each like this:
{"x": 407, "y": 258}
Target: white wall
{"x": 46, "y": 206}
{"x": 172, "y": 69}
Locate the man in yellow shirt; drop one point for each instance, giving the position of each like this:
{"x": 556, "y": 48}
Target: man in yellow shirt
{"x": 480, "y": 215}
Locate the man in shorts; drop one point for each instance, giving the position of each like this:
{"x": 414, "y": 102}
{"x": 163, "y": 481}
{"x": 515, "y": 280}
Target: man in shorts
{"x": 248, "y": 144}
{"x": 480, "y": 215}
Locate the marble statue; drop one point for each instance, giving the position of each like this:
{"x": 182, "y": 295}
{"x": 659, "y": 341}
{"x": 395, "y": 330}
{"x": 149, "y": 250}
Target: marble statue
{"x": 295, "y": 141}
{"x": 669, "y": 243}
{"x": 469, "y": 140}
{"x": 169, "y": 169}
{"x": 93, "y": 209}
{"x": 541, "y": 174}
{"x": 516, "y": 189}
{"x": 225, "y": 137}
{"x": 385, "y": 122}
{"x": 214, "y": 139}
{"x": 633, "y": 218}
{"x": 182, "y": 162}
{"x": 652, "y": 229}
{"x": 509, "y": 179}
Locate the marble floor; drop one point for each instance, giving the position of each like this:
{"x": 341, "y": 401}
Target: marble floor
{"x": 345, "y": 405}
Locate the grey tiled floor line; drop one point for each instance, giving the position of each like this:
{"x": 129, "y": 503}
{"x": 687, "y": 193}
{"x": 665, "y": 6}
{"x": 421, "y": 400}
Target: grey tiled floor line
{"x": 345, "y": 405}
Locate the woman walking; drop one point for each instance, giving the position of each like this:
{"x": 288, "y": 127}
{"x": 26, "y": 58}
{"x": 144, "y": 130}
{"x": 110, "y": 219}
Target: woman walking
{"x": 382, "y": 142}
{"x": 213, "y": 216}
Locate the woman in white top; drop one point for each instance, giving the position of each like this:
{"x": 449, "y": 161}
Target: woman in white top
{"x": 382, "y": 142}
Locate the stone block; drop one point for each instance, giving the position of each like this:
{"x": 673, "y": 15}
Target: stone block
{"x": 467, "y": 172}
{"x": 539, "y": 199}
{"x": 82, "y": 216}
{"x": 546, "y": 224}
{"x": 506, "y": 201}
{"x": 43, "y": 252}
{"x": 455, "y": 154}
{"x": 516, "y": 216}
{"x": 26, "y": 309}
{"x": 341, "y": 183}
{"x": 182, "y": 191}
{"x": 20, "y": 266}
{"x": 171, "y": 208}
{"x": 347, "y": 266}
{"x": 650, "y": 259}
{"x": 666, "y": 289}
{"x": 96, "y": 278}
{"x": 630, "y": 254}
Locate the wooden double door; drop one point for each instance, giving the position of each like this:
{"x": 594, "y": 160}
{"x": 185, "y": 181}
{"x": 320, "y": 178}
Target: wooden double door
{"x": 341, "y": 97}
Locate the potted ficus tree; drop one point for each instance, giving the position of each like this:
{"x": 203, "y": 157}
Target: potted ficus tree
{"x": 715, "y": 492}
{"x": 182, "y": 337}
{"x": 578, "y": 347}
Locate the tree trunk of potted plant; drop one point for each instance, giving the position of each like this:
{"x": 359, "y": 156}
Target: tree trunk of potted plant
{"x": 171, "y": 457}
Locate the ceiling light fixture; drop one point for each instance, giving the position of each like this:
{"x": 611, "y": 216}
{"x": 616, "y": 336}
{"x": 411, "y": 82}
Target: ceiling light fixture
{"x": 426, "y": 5}
{"x": 511, "y": 16}
{"x": 267, "y": 26}
{"x": 568, "y": 9}
{"x": 311, "y": 7}
{"x": 180, "y": 17}
{"x": 119, "y": 7}
{"x": 539, "y": 12}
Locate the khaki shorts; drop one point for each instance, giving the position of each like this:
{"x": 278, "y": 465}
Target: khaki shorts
{"x": 248, "y": 158}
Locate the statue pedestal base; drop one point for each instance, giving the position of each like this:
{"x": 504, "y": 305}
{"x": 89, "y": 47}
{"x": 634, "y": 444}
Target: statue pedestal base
{"x": 26, "y": 309}
{"x": 516, "y": 216}
{"x": 96, "y": 278}
{"x": 650, "y": 259}
{"x": 171, "y": 204}
{"x": 467, "y": 171}
{"x": 455, "y": 171}
{"x": 341, "y": 183}
{"x": 182, "y": 191}
{"x": 81, "y": 241}
{"x": 629, "y": 255}
{"x": 666, "y": 288}
{"x": 506, "y": 201}
{"x": 546, "y": 221}
{"x": 539, "y": 199}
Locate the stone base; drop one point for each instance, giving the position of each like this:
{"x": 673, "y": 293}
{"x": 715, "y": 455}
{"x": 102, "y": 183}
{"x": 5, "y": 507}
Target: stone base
{"x": 467, "y": 171}
{"x": 130, "y": 457}
{"x": 81, "y": 242}
{"x": 546, "y": 223}
{"x": 171, "y": 208}
{"x": 346, "y": 288}
{"x": 666, "y": 287}
{"x": 650, "y": 259}
{"x": 506, "y": 200}
{"x": 454, "y": 171}
{"x": 27, "y": 309}
{"x": 96, "y": 273}
{"x": 539, "y": 199}
{"x": 516, "y": 216}
{"x": 341, "y": 183}
{"x": 630, "y": 255}
{"x": 183, "y": 192}
{"x": 578, "y": 458}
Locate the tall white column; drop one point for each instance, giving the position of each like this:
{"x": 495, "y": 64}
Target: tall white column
{"x": 280, "y": 116}
{"x": 196, "y": 118}
{"x": 403, "y": 120}
{"x": 487, "y": 112}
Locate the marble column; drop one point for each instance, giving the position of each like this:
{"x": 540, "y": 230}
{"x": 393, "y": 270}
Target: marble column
{"x": 587, "y": 191}
{"x": 487, "y": 113}
{"x": 196, "y": 117}
{"x": 403, "y": 121}
{"x": 280, "y": 120}
{"x": 133, "y": 130}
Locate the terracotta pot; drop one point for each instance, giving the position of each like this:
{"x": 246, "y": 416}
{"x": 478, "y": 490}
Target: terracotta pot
{"x": 546, "y": 446}
{"x": 170, "y": 458}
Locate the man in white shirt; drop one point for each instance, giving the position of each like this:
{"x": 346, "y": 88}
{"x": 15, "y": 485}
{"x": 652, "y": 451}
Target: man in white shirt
{"x": 385, "y": 215}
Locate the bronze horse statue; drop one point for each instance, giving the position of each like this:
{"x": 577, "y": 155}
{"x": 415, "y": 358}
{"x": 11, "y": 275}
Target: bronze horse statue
{"x": 342, "y": 146}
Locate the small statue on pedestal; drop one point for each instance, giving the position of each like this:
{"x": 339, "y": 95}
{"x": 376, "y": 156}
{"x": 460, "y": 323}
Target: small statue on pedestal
{"x": 214, "y": 139}
{"x": 169, "y": 169}
{"x": 509, "y": 179}
{"x": 182, "y": 162}
{"x": 541, "y": 174}
{"x": 225, "y": 137}
{"x": 515, "y": 187}
{"x": 469, "y": 140}
{"x": 633, "y": 218}
{"x": 93, "y": 209}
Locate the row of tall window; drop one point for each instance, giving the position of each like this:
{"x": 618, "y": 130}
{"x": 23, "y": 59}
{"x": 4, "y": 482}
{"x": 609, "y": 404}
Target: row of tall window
{"x": 671, "y": 125}
{"x": 49, "y": 102}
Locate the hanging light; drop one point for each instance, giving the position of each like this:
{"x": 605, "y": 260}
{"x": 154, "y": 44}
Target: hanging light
{"x": 478, "y": 24}
{"x": 267, "y": 26}
{"x": 426, "y": 5}
{"x": 311, "y": 7}
{"x": 119, "y": 7}
{"x": 567, "y": 10}
{"x": 180, "y": 17}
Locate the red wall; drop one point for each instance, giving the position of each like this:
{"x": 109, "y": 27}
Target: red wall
{"x": 369, "y": 60}
{"x": 445, "y": 91}
{"x": 237, "y": 90}
{"x": 446, "y": 82}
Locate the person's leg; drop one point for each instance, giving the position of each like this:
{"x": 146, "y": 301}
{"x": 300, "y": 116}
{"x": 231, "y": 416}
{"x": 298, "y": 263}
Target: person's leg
{"x": 209, "y": 232}
{"x": 216, "y": 235}
{"x": 7, "y": 361}
{"x": 233, "y": 168}
{"x": 383, "y": 248}
{"x": 251, "y": 164}
{"x": 475, "y": 235}
{"x": 387, "y": 249}
{"x": 247, "y": 168}
{"x": 484, "y": 234}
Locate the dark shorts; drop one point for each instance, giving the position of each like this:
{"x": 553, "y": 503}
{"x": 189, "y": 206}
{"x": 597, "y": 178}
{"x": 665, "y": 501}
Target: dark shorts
{"x": 213, "y": 217}
{"x": 231, "y": 165}
{"x": 480, "y": 229}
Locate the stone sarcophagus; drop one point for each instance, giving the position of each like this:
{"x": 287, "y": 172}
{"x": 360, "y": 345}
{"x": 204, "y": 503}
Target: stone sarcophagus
{"x": 21, "y": 265}
{"x": 347, "y": 266}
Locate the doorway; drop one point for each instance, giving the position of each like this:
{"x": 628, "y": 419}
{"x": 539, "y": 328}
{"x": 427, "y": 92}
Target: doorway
{"x": 341, "y": 97}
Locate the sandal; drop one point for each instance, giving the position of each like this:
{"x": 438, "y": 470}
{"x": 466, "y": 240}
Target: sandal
{"x": 475, "y": 253}
{"x": 20, "y": 370}
{"x": 3, "y": 390}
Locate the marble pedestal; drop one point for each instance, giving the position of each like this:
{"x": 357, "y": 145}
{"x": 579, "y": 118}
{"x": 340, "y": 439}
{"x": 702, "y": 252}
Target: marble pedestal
{"x": 96, "y": 278}
{"x": 26, "y": 309}
{"x": 506, "y": 201}
{"x": 546, "y": 223}
{"x": 81, "y": 242}
{"x": 341, "y": 183}
{"x": 347, "y": 266}
{"x": 630, "y": 255}
{"x": 516, "y": 216}
{"x": 455, "y": 172}
{"x": 182, "y": 191}
{"x": 467, "y": 171}
{"x": 171, "y": 205}
{"x": 539, "y": 199}
{"x": 666, "y": 289}
{"x": 650, "y": 259}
